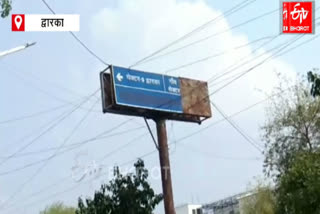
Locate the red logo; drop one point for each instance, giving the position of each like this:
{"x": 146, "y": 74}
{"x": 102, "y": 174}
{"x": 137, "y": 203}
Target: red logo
{"x": 297, "y": 17}
{"x": 17, "y": 22}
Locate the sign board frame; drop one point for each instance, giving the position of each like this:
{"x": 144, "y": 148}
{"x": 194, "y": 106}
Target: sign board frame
{"x": 194, "y": 97}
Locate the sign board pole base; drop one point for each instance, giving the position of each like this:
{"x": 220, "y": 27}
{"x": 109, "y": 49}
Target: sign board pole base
{"x": 165, "y": 166}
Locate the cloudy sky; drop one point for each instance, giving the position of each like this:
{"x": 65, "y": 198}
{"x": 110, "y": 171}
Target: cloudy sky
{"x": 57, "y": 73}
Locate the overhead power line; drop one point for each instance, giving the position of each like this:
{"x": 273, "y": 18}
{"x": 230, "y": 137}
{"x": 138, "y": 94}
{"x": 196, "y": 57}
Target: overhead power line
{"x": 215, "y": 156}
{"x": 74, "y": 187}
{"x": 180, "y": 140}
{"x": 45, "y": 189}
{"x": 139, "y": 137}
{"x": 255, "y": 66}
{"x": 32, "y": 133}
{"x": 38, "y": 171}
{"x": 280, "y": 47}
{"x": 237, "y": 128}
{"x": 40, "y": 90}
{"x": 197, "y": 29}
{"x": 99, "y": 136}
{"x": 247, "y": 71}
{"x": 177, "y": 141}
{"x": 62, "y": 117}
{"x": 69, "y": 148}
{"x": 152, "y": 152}
{"x": 77, "y": 144}
{"x": 210, "y": 36}
{"x": 32, "y": 76}
{"x": 78, "y": 39}
{"x": 283, "y": 47}
{"x": 215, "y": 55}
{"x": 235, "y": 66}
{"x": 37, "y": 114}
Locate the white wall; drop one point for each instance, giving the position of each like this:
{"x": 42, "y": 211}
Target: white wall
{"x": 187, "y": 208}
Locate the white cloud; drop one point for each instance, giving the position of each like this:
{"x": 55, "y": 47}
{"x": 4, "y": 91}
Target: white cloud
{"x": 134, "y": 29}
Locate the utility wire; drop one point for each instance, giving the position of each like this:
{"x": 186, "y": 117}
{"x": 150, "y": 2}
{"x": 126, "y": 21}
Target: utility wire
{"x": 182, "y": 38}
{"x": 139, "y": 137}
{"x": 30, "y": 134}
{"x": 32, "y": 76}
{"x": 206, "y": 97}
{"x": 108, "y": 155}
{"x": 78, "y": 39}
{"x": 37, "y": 114}
{"x": 235, "y": 65}
{"x": 49, "y": 197}
{"x": 40, "y": 90}
{"x": 64, "y": 116}
{"x": 152, "y": 152}
{"x": 215, "y": 55}
{"x": 283, "y": 47}
{"x": 78, "y": 145}
{"x": 45, "y": 189}
{"x": 225, "y": 14}
{"x": 178, "y": 141}
{"x": 235, "y": 126}
{"x": 280, "y": 47}
{"x": 247, "y": 71}
{"x": 215, "y": 156}
{"x": 210, "y": 36}
{"x": 253, "y": 67}
{"x": 52, "y": 156}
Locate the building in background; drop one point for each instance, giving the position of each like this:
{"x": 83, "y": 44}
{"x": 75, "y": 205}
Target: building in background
{"x": 189, "y": 209}
{"x": 230, "y": 205}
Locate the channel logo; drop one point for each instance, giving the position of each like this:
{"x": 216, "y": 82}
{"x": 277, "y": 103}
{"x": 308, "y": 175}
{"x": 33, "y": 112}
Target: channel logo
{"x": 45, "y": 22}
{"x": 297, "y": 17}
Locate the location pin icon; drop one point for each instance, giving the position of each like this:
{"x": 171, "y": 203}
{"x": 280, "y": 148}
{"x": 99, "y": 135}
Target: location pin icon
{"x": 18, "y": 21}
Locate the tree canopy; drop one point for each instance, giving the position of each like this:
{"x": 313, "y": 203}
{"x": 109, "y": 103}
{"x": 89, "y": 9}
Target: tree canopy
{"x": 293, "y": 125}
{"x": 5, "y": 8}
{"x": 299, "y": 187}
{"x": 58, "y": 208}
{"x": 314, "y": 79}
{"x": 292, "y": 141}
{"x": 125, "y": 194}
{"x": 262, "y": 201}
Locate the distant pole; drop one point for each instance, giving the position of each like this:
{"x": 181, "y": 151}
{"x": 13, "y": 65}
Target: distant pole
{"x": 13, "y": 50}
{"x": 165, "y": 166}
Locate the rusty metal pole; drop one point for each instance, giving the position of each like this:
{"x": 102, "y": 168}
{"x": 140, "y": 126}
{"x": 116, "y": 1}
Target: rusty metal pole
{"x": 165, "y": 166}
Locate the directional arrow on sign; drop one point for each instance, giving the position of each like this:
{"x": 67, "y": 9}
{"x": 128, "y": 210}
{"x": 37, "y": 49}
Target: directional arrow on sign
{"x": 119, "y": 77}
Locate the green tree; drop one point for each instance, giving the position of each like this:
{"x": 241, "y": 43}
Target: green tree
{"x": 5, "y": 8}
{"x": 299, "y": 188}
{"x": 125, "y": 194}
{"x": 314, "y": 79}
{"x": 292, "y": 141}
{"x": 293, "y": 125}
{"x": 58, "y": 208}
{"x": 261, "y": 200}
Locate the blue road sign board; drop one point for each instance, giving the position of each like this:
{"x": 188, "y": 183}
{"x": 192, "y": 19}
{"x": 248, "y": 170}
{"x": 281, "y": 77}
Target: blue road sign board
{"x": 146, "y": 90}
